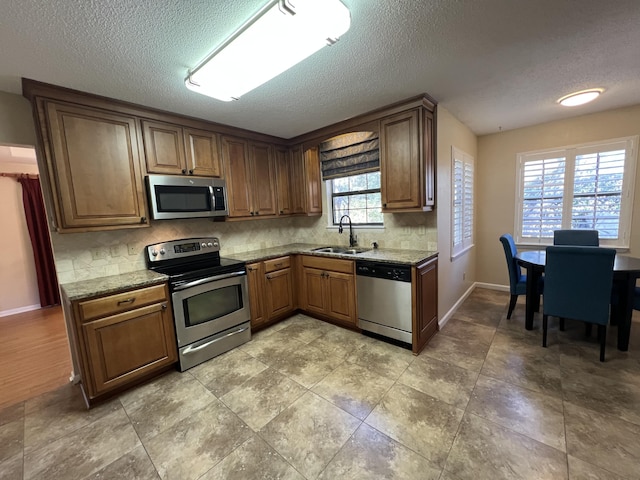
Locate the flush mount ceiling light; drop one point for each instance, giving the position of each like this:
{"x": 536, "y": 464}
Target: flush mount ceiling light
{"x": 580, "y": 98}
{"x": 280, "y": 35}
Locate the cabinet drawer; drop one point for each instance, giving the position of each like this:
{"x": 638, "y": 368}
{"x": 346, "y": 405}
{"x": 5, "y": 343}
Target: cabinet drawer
{"x": 121, "y": 302}
{"x": 333, "y": 264}
{"x": 277, "y": 264}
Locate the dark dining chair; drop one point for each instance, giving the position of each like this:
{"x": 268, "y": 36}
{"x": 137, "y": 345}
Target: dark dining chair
{"x": 585, "y": 238}
{"x": 517, "y": 281}
{"x": 577, "y": 286}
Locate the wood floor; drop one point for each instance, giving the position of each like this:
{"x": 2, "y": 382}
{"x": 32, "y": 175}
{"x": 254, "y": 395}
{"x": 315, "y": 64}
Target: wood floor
{"x": 34, "y": 354}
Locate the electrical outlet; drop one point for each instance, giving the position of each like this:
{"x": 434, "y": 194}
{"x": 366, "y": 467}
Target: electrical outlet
{"x": 98, "y": 253}
{"x": 115, "y": 251}
{"x": 133, "y": 249}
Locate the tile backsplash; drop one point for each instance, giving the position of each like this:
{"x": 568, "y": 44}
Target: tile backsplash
{"x": 82, "y": 256}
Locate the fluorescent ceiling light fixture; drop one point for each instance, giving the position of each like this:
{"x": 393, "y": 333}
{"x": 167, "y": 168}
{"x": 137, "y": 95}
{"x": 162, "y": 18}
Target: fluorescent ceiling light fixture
{"x": 580, "y": 98}
{"x": 281, "y": 34}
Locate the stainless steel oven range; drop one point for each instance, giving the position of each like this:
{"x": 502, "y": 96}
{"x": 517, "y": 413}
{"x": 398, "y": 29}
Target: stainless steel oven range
{"x": 209, "y": 296}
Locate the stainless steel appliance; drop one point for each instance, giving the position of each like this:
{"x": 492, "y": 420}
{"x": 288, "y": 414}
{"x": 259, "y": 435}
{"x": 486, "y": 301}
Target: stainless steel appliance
{"x": 384, "y": 299}
{"x": 173, "y": 196}
{"x": 209, "y": 296}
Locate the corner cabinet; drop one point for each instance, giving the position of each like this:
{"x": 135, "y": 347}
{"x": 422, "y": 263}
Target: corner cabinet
{"x": 121, "y": 339}
{"x": 271, "y": 294}
{"x": 328, "y": 289}
{"x": 174, "y": 150}
{"x": 407, "y": 160}
{"x": 306, "y": 191}
{"x": 425, "y": 303}
{"x": 93, "y": 162}
{"x": 250, "y": 172}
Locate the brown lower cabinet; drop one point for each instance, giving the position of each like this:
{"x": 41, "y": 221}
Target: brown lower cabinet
{"x": 121, "y": 339}
{"x": 425, "y": 303}
{"x": 328, "y": 289}
{"x": 270, "y": 290}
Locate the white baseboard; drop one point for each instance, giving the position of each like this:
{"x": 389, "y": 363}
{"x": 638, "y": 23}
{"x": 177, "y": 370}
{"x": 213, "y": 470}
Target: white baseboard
{"x": 490, "y": 286}
{"x": 14, "y": 311}
{"x": 493, "y": 286}
{"x": 445, "y": 318}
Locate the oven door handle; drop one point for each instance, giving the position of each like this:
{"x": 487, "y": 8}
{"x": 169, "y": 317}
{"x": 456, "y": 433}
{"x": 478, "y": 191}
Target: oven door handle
{"x": 191, "y": 349}
{"x": 208, "y": 279}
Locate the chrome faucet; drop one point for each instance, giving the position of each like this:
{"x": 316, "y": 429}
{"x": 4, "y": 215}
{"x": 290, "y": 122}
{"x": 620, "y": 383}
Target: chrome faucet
{"x": 353, "y": 239}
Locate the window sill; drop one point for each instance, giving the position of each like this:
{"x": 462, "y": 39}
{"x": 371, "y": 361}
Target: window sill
{"x": 461, "y": 252}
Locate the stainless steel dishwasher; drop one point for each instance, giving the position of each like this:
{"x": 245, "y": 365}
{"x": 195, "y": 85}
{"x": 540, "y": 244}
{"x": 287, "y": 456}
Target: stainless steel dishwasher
{"x": 384, "y": 299}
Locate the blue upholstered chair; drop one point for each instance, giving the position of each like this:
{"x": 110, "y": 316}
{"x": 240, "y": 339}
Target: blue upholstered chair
{"x": 585, "y": 238}
{"x": 517, "y": 281}
{"x": 578, "y": 284}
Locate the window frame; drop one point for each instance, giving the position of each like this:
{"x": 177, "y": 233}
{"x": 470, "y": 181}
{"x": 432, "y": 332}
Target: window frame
{"x": 467, "y": 187}
{"x": 330, "y": 196}
{"x": 570, "y": 152}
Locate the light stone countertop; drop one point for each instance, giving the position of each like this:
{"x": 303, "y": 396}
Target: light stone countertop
{"x": 111, "y": 284}
{"x": 387, "y": 255}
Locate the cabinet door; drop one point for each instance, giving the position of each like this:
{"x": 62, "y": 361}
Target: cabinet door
{"x": 126, "y": 346}
{"x": 425, "y": 322}
{"x": 164, "y": 148}
{"x": 298, "y": 180}
{"x": 255, "y": 279}
{"x": 203, "y": 153}
{"x": 341, "y": 304}
{"x": 237, "y": 172}
{"x": 95, "y": 169}
{"x": 263, "y": 179}
{"x": 400, "y": 168}
{"x": 313, "y": 290}
{"x": 313, "y": 182}
{"x": 279, "y": 292}
{"x": 283, "y": 170}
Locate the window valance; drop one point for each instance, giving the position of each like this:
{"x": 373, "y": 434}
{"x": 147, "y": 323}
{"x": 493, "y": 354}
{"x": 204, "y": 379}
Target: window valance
{"x": 350, "y": 154}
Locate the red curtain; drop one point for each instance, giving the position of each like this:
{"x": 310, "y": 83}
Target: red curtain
{"x": 39, "y": 233}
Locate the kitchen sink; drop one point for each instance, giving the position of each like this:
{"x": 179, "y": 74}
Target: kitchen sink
{"x": 341, "y": 250}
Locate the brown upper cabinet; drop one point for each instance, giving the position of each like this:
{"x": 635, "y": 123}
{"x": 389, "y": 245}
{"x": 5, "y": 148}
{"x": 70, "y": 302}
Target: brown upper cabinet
{"x": 407, "y": 161}
{"x": 174, "y": 150}
{"x": 93, "y": 166}
{"x": 250, "y": 172}
{"x": 306, "y": 192}
{"x": 285, "y": 183}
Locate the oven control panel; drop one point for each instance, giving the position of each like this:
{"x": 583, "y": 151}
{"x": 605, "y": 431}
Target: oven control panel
{"x": 182, "y": 248}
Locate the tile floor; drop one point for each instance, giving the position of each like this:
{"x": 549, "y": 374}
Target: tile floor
{"x": 305, "y": 400}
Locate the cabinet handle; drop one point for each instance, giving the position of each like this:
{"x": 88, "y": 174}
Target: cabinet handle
{"x": 190, "y": 172}
{"x": 143, "y": 219}
{"x": 252, "y": 213}
{"x": 277, "y": 264}
{"x": 281, "y": 212}
{"x": 384, "y": 205}
{"x": 164, "y": 306}
{"x": 268, "y": 277}
{"x": 128, "y": 300}
{"x": 184, "y": 171}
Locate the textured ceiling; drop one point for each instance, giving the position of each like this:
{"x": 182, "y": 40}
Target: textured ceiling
{"x": 492, "y": 63}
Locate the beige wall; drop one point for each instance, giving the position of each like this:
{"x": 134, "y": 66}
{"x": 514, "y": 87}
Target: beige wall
{"x": 457, "y": 275}
{"x": 496, "y": 178}
{"x": 18, "y": 283}
{"x": 16, "y": 122}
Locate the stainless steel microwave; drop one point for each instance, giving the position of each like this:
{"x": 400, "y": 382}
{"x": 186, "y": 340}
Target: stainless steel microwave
{"x": 173, "y": 196}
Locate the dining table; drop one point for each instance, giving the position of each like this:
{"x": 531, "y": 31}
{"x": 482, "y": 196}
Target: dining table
{"x": 626, "y": 271}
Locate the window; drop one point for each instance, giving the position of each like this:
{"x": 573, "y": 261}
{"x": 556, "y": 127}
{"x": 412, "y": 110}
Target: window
{"x": 579, "y": 187}
{"x": 461, "y": 202}
{"x": 357, "y": 196}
